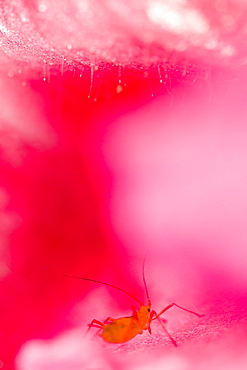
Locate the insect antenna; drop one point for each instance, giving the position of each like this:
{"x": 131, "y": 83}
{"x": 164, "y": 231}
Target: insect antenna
{"x": 144, "y": 281}
{"x": 101, "y": 282}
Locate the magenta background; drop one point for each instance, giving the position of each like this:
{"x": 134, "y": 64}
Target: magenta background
{"x": 89, "y": 186}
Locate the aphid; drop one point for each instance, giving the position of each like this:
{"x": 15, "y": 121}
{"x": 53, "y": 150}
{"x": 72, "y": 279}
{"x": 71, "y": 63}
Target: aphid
{"x": 126, "y": 328}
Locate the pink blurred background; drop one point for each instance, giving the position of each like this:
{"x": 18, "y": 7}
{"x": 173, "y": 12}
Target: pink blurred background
{"x": 120, "y": 139}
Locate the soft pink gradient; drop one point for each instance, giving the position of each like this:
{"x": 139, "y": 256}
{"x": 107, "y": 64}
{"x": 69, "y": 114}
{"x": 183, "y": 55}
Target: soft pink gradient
{"x": 122, "y": 135}
{"x": 179, "y": 167}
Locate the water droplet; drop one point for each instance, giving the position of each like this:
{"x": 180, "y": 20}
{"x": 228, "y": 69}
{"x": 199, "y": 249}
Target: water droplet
{"x": 44, "y": 78}
{"x": 24, "y": 19}
{"x": 91, "y": 82}
{"x": 119, "y": 89}
{"x": 119, "y": 74}
{"x": 62, "y": 66}
{"x": 161, "y": 81}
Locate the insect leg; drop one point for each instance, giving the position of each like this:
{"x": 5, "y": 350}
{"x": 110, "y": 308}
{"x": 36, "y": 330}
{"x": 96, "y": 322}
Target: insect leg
{"x": 174, "y": 304}
{"x": 134, "y": 310}
{"x": 163, "y": 326}
{"x": 151, "y": 319}
{"x": 167, "y": 332}
{"x": 94, "y": 324}
{"x": 108, "y": 320}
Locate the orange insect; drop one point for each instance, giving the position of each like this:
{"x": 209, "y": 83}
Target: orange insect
{"x": 126, "y": 328}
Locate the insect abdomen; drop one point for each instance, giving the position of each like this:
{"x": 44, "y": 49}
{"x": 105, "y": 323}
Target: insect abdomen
{"x": 121, "y": 330}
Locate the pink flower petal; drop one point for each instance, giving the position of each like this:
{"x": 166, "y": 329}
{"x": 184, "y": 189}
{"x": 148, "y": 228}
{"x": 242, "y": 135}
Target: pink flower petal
{"x": 95, "y": 173}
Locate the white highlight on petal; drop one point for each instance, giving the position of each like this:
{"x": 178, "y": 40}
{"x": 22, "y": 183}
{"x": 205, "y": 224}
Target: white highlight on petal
{"x": 4, "y": 30}
{"x": 228, "y": 50}
{"x": 66, "y": 351}
{"x": 177, "y": 17}
{"x": 42, "y": 7}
